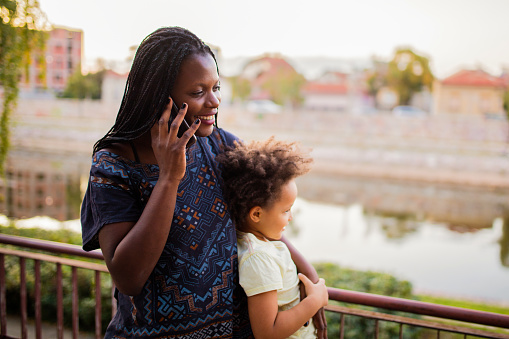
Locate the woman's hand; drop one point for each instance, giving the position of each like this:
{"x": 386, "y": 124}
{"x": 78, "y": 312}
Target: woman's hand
{"x": 320, "y": 324}
{"x": 319, "y": 319}
{"x": 170, "y": 150}
{"x": 317, "y": 290}
{"x": 304, "y": 267}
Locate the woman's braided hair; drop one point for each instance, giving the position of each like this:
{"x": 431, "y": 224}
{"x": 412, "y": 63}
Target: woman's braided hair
{"x": 254, "y": 174}
{"x": 150, "y": 82}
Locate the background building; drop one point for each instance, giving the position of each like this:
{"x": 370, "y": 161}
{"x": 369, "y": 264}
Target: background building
{"x": 62, "y": 57}
{"x": 473, "y": 92}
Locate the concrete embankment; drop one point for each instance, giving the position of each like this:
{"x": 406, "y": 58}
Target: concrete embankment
{"x": 460, "y": 149}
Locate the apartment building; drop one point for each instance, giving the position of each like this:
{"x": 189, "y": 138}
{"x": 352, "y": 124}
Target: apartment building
{"x": 62, "y": 56}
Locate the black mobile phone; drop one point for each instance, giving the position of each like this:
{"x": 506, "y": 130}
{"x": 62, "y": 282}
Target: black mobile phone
{"x": 184, "y": 126}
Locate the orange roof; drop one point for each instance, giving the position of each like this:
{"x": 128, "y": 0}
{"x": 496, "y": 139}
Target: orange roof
{"x": 325, "y": 88}
{"x": 473, "y": 78}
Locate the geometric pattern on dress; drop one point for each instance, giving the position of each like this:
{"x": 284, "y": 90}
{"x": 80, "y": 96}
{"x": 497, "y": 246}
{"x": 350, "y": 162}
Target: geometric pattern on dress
{"x": 193, "y": 291}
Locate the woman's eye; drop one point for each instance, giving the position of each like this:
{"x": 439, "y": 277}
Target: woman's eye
{"x": 217, "y": 88}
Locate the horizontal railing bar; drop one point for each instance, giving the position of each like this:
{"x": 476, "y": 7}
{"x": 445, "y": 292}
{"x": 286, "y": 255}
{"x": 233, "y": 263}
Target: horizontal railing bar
{"x": 414, "y": 322}
{"x": 360, "y": 298}
{"x": 419, "y": 307}
{"x": 53, "y": 259}
{"x": 49, "y": 246}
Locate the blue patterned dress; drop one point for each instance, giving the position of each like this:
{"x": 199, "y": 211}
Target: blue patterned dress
{"x": 193, "y": 291}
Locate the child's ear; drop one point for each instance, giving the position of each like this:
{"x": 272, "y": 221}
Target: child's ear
{"x": 254, "y": 213}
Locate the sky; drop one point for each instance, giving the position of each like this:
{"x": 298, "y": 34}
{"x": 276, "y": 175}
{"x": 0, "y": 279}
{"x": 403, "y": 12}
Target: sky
{"x": 453, "y": 34}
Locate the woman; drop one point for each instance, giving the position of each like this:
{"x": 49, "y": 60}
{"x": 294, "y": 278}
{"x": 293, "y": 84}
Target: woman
{"x": 155, "y": 207}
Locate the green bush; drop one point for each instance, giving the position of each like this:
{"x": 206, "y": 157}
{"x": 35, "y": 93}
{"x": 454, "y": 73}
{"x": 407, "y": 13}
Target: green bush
{"x": 369, "y": 282}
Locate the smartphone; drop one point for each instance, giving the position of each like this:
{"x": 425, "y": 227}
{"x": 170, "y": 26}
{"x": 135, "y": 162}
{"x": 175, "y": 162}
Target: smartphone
{"x": 184, "y": 126}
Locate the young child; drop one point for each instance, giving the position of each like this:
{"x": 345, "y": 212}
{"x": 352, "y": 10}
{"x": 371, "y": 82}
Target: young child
{"x": 260, "y": 190}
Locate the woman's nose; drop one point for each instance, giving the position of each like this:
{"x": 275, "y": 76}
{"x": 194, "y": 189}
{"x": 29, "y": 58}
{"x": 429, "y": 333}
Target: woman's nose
{"x": 214, "y": 99}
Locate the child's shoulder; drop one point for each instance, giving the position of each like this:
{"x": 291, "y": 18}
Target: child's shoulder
{"x": 249, "y": 244}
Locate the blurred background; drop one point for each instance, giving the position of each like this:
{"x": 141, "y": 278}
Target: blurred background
{"x": 402, "y": 104}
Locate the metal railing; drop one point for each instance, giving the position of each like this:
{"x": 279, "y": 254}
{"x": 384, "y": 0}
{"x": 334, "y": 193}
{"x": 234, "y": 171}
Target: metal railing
{"x": 433, "y": 313}
{"x": 38, "y": 258}
{"x": 434, "y": 317}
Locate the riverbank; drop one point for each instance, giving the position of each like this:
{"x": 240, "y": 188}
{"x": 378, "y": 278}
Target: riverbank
{"x": 449, "y": 150}
{"x": 455, "y": 149}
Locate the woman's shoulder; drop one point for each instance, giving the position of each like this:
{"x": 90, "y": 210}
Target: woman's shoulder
{"x": 112, "y": 160}
{"x": 122, "y": 150}
{"x": 225, "y": 137}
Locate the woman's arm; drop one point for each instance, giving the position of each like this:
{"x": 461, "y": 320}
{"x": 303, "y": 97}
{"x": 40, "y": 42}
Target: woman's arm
{"x": 131, "y": 249}
{"x": 304, "y": 267}
{"x": 267, "y": 322}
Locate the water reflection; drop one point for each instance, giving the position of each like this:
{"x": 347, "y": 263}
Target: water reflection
{"x": 444, "y": 239}
{"x": 434, "y": 258}
{"x": 38, "y": 184}
{"x": 462, "y": 209}
{"x": 504, "y": 243}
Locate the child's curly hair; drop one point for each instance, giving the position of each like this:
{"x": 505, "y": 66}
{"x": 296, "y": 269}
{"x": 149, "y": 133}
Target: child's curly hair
{"x": 254, "y": 173}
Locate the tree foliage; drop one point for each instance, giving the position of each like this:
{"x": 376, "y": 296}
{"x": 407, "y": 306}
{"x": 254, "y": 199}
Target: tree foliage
{"x": 376, "y": 77}
{"x": 81, "y": 86}
{"x": 285, "y": 86}
{"x": 408, "y": 73}
{"x": 22, "y": 25}
{"x": 241, "y": 88}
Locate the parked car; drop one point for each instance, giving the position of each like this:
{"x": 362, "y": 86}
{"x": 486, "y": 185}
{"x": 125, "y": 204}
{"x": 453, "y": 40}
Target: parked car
{"x": 409, "y": 111}
{"x": 263, "y": 106}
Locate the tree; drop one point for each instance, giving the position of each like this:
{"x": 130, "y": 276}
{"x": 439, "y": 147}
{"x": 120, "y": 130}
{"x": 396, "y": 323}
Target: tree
{"x": 22, "y": 25}
{"x": 81, "y": 86}
{"x": 285, "y": 86}
{"x": 376, "y": 77}
{"x": 408, "y": 73}
{"x": 241, "y": 88}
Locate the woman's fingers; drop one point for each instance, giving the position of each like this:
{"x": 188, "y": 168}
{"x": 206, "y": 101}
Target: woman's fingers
{"x": 320, "y": 323}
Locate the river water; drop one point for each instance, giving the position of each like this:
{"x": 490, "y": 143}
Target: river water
{"x": 445, "y": 240}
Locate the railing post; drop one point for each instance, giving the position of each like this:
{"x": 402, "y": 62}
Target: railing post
{"x": 60, "y": 302}
{"x": 342, "y": 322}
{"x": 23, "y": 296}
{"x": 3, "y": 303}
{"x": 75, "y": 305}
{"x": 98, "y": 305}
{"x": 38, "y": 316}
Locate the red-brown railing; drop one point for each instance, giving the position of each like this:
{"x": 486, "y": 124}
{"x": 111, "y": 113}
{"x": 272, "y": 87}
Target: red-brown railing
{"x": 434, "y": 314}
{"x": 58, "y": 248}
{"x": 437, "y": 312}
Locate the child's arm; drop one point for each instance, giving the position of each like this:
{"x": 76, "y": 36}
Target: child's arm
{"x": 267, "y": 322}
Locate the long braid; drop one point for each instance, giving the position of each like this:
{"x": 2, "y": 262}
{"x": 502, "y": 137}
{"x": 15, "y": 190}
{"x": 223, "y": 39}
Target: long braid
{"x": 149, "y": 83}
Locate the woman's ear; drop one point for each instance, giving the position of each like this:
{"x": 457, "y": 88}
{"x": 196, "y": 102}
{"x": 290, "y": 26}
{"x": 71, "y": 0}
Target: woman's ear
{"x": 254, "y": 213}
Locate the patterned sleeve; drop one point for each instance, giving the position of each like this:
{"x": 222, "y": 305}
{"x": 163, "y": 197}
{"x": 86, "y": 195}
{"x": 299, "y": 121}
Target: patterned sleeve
{"x": 259, "y": 273}
{"x": 109, "y": 198}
